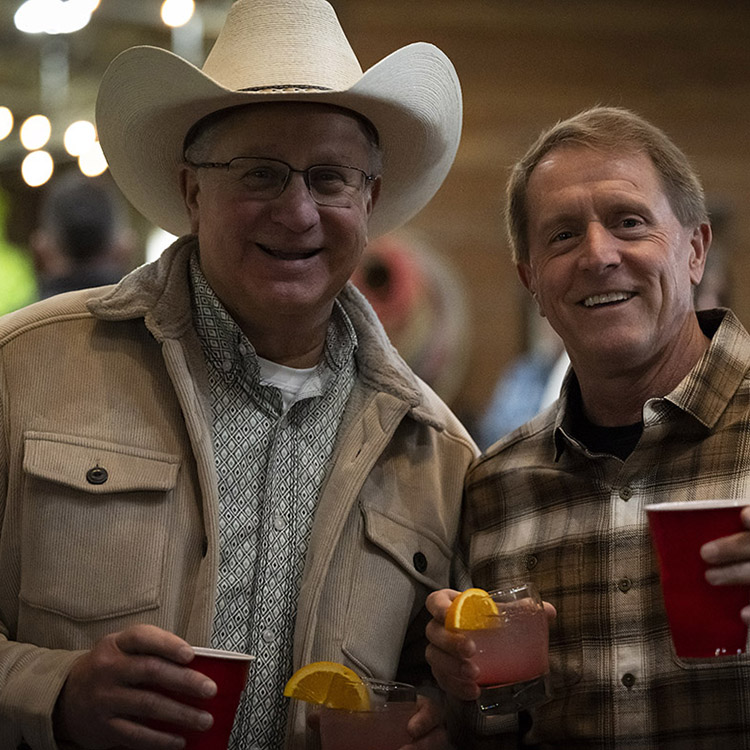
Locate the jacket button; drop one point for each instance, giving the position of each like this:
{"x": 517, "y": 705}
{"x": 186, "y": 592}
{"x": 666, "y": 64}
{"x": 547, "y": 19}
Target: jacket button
{"x": 420, "y": 562}
{"x": 628, "y": 680}
{"x": 97, "y": 475}
{"x": 531, "y": 561}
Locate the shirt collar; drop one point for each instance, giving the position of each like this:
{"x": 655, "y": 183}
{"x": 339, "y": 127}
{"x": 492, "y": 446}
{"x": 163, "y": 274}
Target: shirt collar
{"x": 703, "y": 393}
{"x": 231, "y": 351}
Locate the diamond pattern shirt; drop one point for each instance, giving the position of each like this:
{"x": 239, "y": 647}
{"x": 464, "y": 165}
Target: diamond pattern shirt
{"x": 541, "y": 507}
{"x": 270, "y": 464}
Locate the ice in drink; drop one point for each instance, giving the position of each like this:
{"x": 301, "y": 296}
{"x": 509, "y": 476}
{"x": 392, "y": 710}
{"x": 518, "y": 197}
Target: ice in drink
{"x": 512, "y": 652}
{"x": 516, "y": 650}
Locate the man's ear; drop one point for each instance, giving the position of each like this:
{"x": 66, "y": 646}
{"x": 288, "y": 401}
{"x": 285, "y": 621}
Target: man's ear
{"x": 190, "y": 188}
{"x": 526, "y": 276}
{"x": 527, "y": 279}
{"x": 374, "y": 195}
{"x": 700, "y": 242}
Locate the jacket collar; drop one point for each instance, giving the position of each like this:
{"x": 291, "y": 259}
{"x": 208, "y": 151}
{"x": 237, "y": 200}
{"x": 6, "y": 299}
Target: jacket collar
{"x": 159, "y": 292}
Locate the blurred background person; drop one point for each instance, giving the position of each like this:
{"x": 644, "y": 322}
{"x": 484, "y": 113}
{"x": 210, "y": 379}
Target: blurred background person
{"x": 420, "y": 300}
{"x": 529, "y": 384}
{"x": 83, "y": 238}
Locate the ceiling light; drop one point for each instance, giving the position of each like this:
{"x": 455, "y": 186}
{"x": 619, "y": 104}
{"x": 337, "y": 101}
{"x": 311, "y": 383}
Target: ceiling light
{"x": 79, "y": 137}
{"x": 35, "y": 132}
{"x": 177, "y": 12}
{"x": 37, "y": 168}
{"x": 6, "y": 122}
{"x": 54, "y": 16}
{"x": 92, "y": 161}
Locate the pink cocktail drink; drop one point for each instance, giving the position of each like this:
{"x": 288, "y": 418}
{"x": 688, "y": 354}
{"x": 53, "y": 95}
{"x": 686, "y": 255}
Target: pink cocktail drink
{"x": 382, "y": 728}
{"x": 512, "y": 652}
{"x": 516, "y": 650}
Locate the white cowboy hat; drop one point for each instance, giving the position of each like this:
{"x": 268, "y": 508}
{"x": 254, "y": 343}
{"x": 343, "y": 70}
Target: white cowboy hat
{"x": 279, "y": 50}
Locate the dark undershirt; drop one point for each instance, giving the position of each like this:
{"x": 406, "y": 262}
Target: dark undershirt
{"x": 617, "y": 441}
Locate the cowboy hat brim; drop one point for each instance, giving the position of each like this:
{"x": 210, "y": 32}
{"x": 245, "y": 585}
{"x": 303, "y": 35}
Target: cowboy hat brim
{"x": 149, "y": 99}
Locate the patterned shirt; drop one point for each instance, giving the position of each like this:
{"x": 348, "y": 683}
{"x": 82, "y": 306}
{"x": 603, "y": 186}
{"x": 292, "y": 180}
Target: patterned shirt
{"x": 270, "y": 464}
{"x": 542, "y": 507}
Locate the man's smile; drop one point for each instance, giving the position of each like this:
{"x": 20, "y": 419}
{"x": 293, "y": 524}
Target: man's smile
{"x": 608, "y": 298}
{"x": 288, "y": 254}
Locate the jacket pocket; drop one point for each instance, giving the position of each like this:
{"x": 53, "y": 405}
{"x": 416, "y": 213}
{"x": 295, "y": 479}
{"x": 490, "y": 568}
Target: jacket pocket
{"x": 94, "y": 526}
{"x": 398, "y": 566}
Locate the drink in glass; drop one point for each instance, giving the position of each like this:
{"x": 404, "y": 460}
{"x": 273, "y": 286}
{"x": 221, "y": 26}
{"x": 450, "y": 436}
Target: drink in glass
{"x": 512, "y": 652}
{"x": 383, "y": 727}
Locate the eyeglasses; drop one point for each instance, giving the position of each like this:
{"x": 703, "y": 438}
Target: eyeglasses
{"x": 266, "y": 179}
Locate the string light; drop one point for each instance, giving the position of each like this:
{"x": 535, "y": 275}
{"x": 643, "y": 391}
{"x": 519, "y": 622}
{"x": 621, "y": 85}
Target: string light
{"x": 6, "y": 122}
{"x": 92, "y": 162}
{"x": 177, "y": 12}
{"x": 35, "y": 132}
{"x": 54, "y": 16}
{"x": 37, "y": 168}
{"x": 79, "y": 137}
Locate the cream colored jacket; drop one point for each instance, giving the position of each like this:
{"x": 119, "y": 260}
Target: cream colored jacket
{"x": 108, "y": 493}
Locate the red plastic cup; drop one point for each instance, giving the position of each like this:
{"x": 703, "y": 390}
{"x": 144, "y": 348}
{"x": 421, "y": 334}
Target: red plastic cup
{"x": 704, "y": 619}
{"x": 229, "y": 670}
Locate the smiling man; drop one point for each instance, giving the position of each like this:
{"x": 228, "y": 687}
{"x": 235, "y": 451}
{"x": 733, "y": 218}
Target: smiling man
{"x": 610, "y": 234}
{"x": 224, "y": 449}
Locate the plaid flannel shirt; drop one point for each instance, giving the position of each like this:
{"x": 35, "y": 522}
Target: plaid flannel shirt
{"x": 541, "y": 507}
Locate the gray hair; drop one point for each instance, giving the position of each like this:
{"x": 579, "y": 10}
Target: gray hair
{"x": 608, "y": 129}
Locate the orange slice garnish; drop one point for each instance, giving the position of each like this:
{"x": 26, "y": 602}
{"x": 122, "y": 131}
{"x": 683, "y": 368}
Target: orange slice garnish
{"x": 328, "y": 683}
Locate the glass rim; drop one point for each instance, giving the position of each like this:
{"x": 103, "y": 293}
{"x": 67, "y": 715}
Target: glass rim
{"x": 515, "y": 588}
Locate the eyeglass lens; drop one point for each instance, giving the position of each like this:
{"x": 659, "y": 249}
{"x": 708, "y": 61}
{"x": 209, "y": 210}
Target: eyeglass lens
{"x": 329, "y": 185}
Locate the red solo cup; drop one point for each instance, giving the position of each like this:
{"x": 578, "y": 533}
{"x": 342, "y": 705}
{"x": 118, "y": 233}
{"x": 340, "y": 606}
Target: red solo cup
{"x": 229, "y": 670}
{"x": 704, "y": 619}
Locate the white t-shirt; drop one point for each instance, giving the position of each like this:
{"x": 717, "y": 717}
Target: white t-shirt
{"x": 291, "y": 381}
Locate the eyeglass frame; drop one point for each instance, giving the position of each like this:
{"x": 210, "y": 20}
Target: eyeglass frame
{"x": 368, "y": 178}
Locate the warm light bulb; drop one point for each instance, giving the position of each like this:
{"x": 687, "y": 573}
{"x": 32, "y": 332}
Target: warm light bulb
{"x": 92, "y": 161}
{"x": 177, "y": 12}
{"x": 35, "y": 132}
{"x": 37, "y": 168}
{"x": 54, "y": 16}
{"x": 79, "y": 137}
{"x": 6, "y": 122}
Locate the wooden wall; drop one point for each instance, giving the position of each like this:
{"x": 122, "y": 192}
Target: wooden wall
{"x": 523, "y": 65}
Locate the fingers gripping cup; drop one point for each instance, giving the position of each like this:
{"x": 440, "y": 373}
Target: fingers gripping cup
{"x": 510, "y": 630}
{"x": 704, "y": 620}
{"x": 229, "y": 670}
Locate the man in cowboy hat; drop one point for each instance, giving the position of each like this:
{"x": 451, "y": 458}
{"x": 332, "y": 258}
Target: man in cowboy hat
{"x": 224, "y": 449}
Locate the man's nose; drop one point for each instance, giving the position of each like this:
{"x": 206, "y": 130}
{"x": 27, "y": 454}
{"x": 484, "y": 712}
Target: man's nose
{"x": 599, "y": 249}
{"x": 295, "y": 206}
